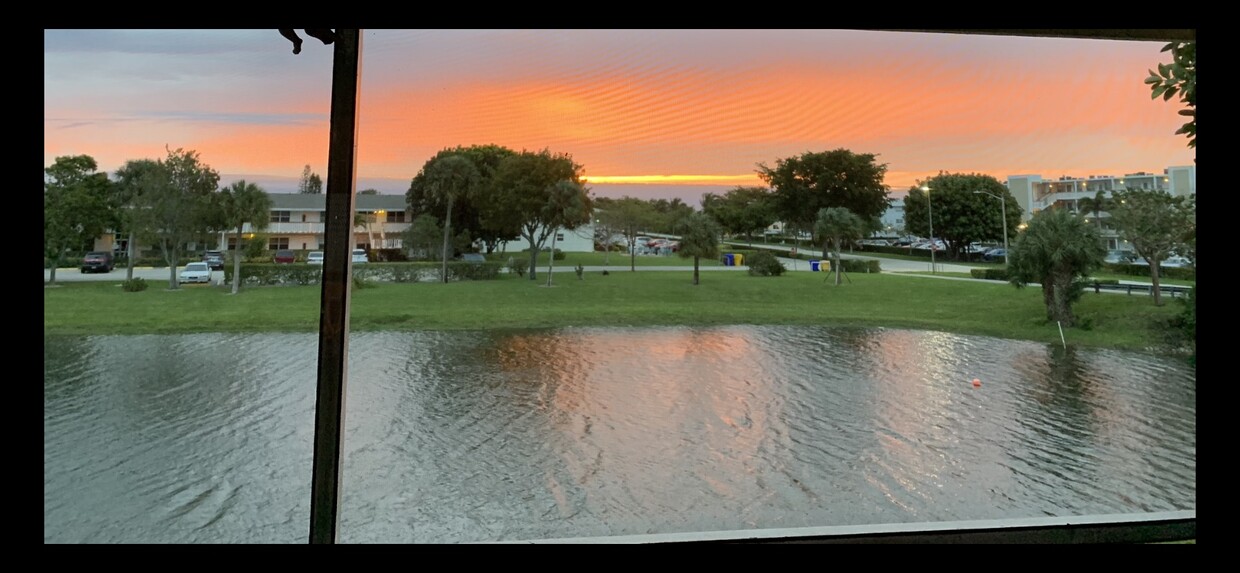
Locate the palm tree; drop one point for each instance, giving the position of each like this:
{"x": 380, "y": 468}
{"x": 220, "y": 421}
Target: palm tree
{"x": 699, "y": 237}
{"x": 242, "y": 203}
{"x": 134, "y": 179}
{"x": 836, "y": 225}
{"x": 1056, "y": 249}
{"x": 448, "y": 179}
{"x": 1100, "y": 203}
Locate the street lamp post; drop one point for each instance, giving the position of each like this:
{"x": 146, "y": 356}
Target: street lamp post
{"x": 1003, "y": 206}
{"x": 933, "y": 243}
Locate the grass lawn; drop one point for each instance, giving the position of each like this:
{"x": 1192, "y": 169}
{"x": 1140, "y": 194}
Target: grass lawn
{"x": 1097, "y": 275}
{"x": 620, "y": 299}
{"x": 595, "y": 259}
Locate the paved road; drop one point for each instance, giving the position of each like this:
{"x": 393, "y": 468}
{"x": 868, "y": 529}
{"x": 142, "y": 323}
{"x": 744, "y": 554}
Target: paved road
{"x": 160, "y": 275}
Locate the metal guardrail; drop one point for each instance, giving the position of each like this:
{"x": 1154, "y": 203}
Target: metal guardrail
{"x": 1141, "y": 288}
{"x": 1091, "y": 529}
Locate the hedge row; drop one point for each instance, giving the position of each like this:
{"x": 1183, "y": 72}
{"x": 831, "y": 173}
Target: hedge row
{"x": 306, "y": 274}
{"x": 1183, "y": 273}
{"x": 993, "y": 273}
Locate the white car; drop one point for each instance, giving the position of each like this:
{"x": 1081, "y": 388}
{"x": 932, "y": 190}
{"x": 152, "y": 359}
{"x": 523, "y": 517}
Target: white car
{"x": 359, "y": 256}
{"x": 314, "y": 258}
{"x": 196, "y": 273}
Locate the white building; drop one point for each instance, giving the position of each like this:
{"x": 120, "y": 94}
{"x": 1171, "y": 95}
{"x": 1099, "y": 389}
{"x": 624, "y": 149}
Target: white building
{"x": 579, "y": 240}
{"x": 1034, "y": 193}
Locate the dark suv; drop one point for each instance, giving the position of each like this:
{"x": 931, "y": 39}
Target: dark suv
{"x": 98, "y": 262}
{"x": 214, "y": 260}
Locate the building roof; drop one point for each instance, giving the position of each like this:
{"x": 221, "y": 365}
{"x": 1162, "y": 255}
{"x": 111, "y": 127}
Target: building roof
{"x": 318, "y": 202}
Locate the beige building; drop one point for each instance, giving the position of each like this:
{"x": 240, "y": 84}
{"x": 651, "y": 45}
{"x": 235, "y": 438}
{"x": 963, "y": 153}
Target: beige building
{"x": 297, "y": 222}
{"x": 1034, "y": 193}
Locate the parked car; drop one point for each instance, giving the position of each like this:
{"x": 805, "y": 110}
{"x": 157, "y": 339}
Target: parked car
{"x": 196, "y": 273}
{"x": 359, "y": 256}
{"x": 98, "y": 262}
{"x": 994, "y": 255}
{"x": 214, "y": 260}
{"x": 1176, "y": 261}
{"x": 284, "y": 256}
{"x": 1120, "y": 257}
{"x": 476, "y": 258}
{"x": 315, "y": 258}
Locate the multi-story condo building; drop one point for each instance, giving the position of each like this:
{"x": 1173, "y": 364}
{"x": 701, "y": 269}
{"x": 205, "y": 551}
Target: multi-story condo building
{"x": 1033, "y": 193}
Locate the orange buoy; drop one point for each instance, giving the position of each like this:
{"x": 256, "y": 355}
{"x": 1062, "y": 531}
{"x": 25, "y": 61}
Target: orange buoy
{"x": 977, "y": 383}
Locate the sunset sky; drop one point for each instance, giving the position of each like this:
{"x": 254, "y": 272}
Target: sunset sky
{"x": 679, "y": 112}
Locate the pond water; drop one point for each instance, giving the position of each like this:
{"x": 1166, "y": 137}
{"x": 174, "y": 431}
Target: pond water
{"x": 512, "y": 435}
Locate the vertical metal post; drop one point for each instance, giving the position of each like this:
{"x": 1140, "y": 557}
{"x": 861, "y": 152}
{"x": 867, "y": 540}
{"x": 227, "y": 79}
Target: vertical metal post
{"x": 337, "y": 278}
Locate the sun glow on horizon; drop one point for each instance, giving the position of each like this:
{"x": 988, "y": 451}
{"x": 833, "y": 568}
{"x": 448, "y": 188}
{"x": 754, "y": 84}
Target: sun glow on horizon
{"x": 747, "y": 180}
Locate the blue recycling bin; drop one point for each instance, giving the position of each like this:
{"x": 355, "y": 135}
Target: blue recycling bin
{"x": 813, "y": 265}
{"x": 729, "y": 260}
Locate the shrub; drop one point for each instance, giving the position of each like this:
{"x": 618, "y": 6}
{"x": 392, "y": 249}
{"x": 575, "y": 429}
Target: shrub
{"x": 992, "y": 273}
{"x": 764, "y": 264}
{"x": 860, "y": 265}
{"x": 136, "y": 284}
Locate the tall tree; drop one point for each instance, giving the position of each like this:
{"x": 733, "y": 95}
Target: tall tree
{"x": 133, "y": 180}
{"x": 1096, "y": 206}
{"x": 743, "y": 210}
{"x": 834, "y": 226}
{"x": 310, "y": 182}
{"x": 699, "y": 237}
{"x": 630, "y": 216}
{"x": 467, "y": 212}
{"x": 960, "y": 215}
{"x": 1155, "y": 223}
{"x": 1056, "y": 249}
{"x": 180, "y": 209}
{"x": 804, "y": 184}
{"x": 568, "y": 204}
{"x": 77, "y": 206}
{"x": 1179, "y": 77}
{"x": 238, "y": 204}
{"x": 524, "y": 195}
{"x": 421, "y": 235}
{"x": 449, "y": 179}
{"x": 668, "y": 212}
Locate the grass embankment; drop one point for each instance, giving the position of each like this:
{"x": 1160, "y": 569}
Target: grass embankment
{"x": 1097, "y": 275}
{"x": 620, "y": 299}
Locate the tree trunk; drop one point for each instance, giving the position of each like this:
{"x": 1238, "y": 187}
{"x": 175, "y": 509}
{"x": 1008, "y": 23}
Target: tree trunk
{"x": 837, "y": 263}
{"x": 1048, "y": 296}
{"x": 533, "y": 257}
{"x": 53, "y": 264}
{"x": 1155, "y": 291}
{"x": 695, "y": 269}
{"x": 551, "y": 261}
{"x": 236, "y": 282}
{"x": 1063, "y": 308}
{"x": 447, "y": 229}
{"x": 172, "y": 264}
{"x": 129, "y": 257}
{"x": 632, "y": 254}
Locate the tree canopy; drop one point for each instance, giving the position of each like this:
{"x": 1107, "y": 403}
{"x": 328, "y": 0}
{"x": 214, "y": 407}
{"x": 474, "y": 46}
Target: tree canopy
{"x": 741, "y": 211}
{"x": 310, "y": 182}
{"x": 526, "y": 192}
{"x": 804, "y": 184}
{"x": 1179, "y": 77}
{"x": 835, "y": 225}
{"x": 1156, "y": 223}
{"x": 699, "y": 237}
{"x": 1056, "y": 249}
{"x": 629, "y": 216}
{"x": 238, "y": 204}
{"x": 467, "y": 215}
{"x": 180, "y": 208}
{"x": 961, "y": 216}
{"x": 77, "y": 206}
